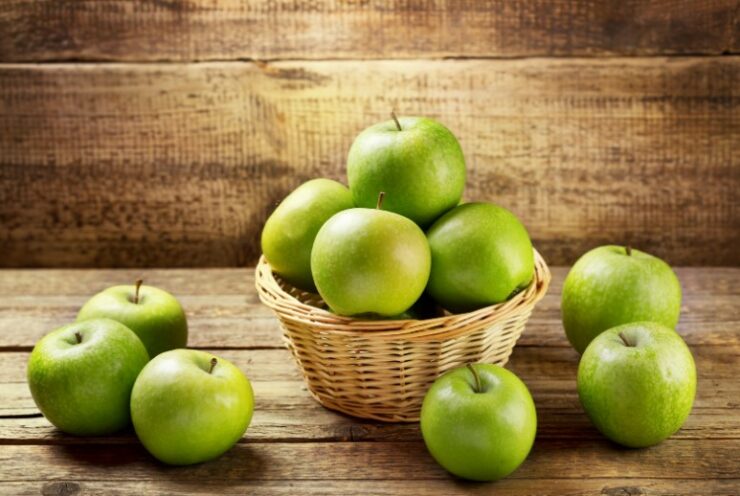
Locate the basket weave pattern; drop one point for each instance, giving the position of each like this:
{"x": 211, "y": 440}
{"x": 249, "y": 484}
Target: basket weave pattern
{"x": 381, "y": 369}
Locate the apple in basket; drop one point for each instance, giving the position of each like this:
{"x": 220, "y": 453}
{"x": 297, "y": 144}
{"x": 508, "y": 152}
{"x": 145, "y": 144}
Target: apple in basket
{"x": 370, "y": 261}
{"x": 481, "y": 255}
{"x": 416, "y": 161}
{"x": 289, "y": 232}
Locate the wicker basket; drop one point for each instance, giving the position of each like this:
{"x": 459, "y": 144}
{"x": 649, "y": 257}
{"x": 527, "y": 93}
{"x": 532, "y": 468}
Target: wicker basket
{"x": 381, "y": 369}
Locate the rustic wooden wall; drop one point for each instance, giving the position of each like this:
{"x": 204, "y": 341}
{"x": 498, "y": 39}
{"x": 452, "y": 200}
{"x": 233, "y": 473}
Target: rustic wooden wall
{"x": 163, "y": 133}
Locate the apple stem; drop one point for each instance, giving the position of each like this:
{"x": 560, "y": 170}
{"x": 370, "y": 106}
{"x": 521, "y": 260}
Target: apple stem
{"x": 476, "y": 377}
{"x": 78, "y": 336}
{"x": 381, "y": 196}
{"x": 628, "y": 249}
{"x": 625, "y": 340}
{"x": 395, "y": 119}
{"x": 214, "y": 361}
{"x": 139, "y": 282}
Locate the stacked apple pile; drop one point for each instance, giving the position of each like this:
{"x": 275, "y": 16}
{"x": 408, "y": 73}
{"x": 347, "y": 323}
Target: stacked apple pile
{"x": 364, "y": 249}
{"x": 94, "y": 377}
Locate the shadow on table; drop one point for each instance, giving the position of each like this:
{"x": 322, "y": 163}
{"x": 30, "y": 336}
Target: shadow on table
{"x": 124, "y": 461}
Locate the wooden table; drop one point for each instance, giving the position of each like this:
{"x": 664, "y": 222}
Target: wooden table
{"x": 294, "y": 446}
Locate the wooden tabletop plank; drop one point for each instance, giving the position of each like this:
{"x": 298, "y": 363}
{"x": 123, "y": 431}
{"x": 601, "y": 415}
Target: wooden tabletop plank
{"x": 544, "y": 362}
{"x": 224, "y": 311}
{"x": 506, "y": 487}
{"x": 296, "y": 446}
{"x": 206, "y": 281}
{"x": 554, "y": 393}
{"x": 569, "y": 459}
{"x": 285, "y": 411}
{"x": 312, "y": 423}
{"x": 218, "y": 282}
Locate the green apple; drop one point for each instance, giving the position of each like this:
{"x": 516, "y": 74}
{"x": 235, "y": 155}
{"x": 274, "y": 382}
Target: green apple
{"x": 416, "y": 161}
{"x": 614, "y": 285}
{"x": 370, "y": 261}
{"x": 289, "y": 232}
{"x": 189, "y": 406}
{"x": 637, "y": 383}
{"x": 81, "y": 375}
{"x": 479, "y": 422}
{"x": 481, "y": 255}
{"x": 153, "y": 314}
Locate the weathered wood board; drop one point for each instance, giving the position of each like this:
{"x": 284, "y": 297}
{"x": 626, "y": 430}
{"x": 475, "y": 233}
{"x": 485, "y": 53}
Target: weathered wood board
{"x": 224, "y": 311}
{"x": 121, "y": 30}
{"x": 179, "y": 164}
{"x": 295, "y": 446}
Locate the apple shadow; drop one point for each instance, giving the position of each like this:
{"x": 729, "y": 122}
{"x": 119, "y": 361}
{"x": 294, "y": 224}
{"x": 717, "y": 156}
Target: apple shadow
{"x": 103, "y": 455}
{"x": 56, "y": 437}
{"x": 242, "y": 463}
{"x": 123, "y": 453}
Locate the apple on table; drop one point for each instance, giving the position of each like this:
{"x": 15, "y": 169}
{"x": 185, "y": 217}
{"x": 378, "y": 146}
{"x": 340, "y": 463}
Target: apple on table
{"x": 152, "y": 313}
{"x": 81, "y": 375}
{"x": 189, "y": 406}
{"x": 479, "y": 422}
{"x": 613, "y": 285}
{"x": 637, "y": 383}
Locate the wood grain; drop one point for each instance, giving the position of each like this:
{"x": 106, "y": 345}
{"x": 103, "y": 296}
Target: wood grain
{"x": 179, "y": 165}
{"x": 312, "y": 423}
{"x": 285, "y": 411}
{"x": 224, "y": 312}
{"x": 558, "y": 393}
{"x": 295, "y": 446}
{"x": 506, "y": 487}
{"x": 534, "y": 362}
{"x": 706, "y": 459}
{"x": 66, "y": 283}
{"x": 120, "y": 30}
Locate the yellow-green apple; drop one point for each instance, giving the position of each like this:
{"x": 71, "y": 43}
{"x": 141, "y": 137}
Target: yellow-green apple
{"x": 152, "y": 313}
{"x": 290, "y": 231}
{"x": 189, "y": 406}
{"x": 369, "y": 261}
{"x": 416, "y": 161}
{"x": 479, "y": 422}
{"x": 637, "y": 383}
{"x": 481, "y": 255}
{"x": 81, "y": 375}
{"x": 613, "y": 285}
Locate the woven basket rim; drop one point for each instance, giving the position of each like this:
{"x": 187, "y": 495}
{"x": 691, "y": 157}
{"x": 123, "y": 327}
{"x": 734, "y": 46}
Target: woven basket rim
{"x": 288, "y": 307}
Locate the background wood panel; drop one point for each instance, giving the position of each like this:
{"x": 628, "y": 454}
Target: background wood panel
{"x": 124, "y": 30}
{"x": 179, "y": 164}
